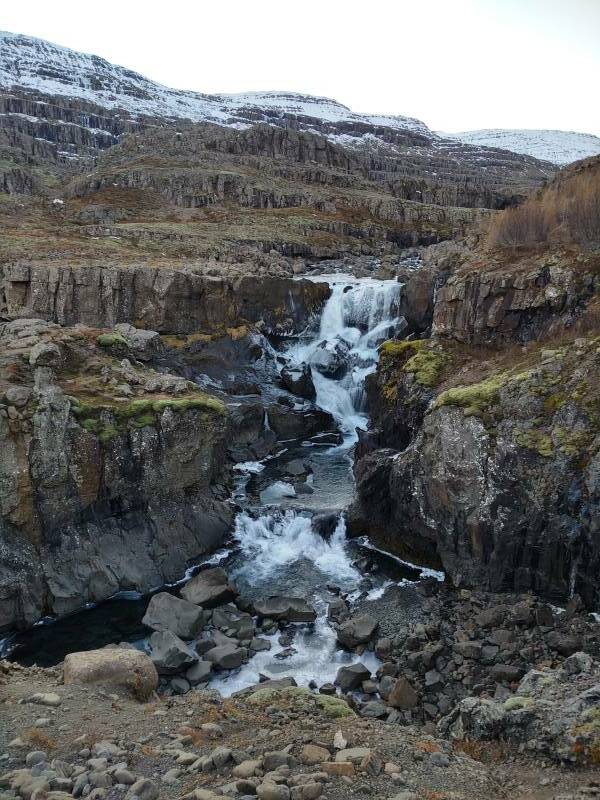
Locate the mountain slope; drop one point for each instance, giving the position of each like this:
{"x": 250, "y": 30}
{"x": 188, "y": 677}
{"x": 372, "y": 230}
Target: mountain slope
{"x": 558, "y": 147}
{"x": 40, "y": 66}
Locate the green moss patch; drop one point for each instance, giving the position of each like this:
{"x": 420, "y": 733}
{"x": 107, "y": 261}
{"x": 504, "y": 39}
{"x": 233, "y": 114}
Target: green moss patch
{"x": 111, "y": 340}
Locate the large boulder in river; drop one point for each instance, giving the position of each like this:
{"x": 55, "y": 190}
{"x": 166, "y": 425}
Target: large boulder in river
{"x": 331, "y": 359}
{"x": 127, "y": 668}
{"x": 299, "y": 381}
{"x": 291, "y": 609}
{"x": 227, "y": 656}
{"x": 289, "y": 423}
{"x": 357, "y": 631}
{"x": 234, "y": 622}
{"x": 209, "y": 588}
{"x": 169, "y": 653}
{"x": 168, "y": 613}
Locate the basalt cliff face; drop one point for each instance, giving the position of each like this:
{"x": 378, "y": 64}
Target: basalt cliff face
{"x": 99, "y": 493}
{"x": 482, "y": 457}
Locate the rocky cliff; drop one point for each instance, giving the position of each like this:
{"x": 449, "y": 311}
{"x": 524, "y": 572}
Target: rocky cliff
{"x": 491, "y": 467}
{"x": 167, "y": 300}
{"x": 111, "y": 476}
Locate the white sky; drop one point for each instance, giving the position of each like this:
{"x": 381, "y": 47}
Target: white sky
{"x": 455, "y": 64}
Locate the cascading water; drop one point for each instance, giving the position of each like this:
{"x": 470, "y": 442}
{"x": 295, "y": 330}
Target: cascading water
{"x": 360, "y": 314}
{"x": 279, "y": 549}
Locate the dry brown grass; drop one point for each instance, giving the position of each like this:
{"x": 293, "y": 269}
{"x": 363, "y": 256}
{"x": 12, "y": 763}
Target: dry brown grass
{"x": 567, "y": 211}
{"x": 37, "y": 737}
{"x": 427, "y": 746}
{"x": 486, "y": 752}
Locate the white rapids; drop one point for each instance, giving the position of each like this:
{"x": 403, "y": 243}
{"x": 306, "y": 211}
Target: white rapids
{"x": 360, "y": 314}
{"x": 278, "y": 550}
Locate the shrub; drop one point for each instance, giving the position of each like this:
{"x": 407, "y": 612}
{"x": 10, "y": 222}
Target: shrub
{"x": 568, "y": 210}
{"x": 111, "y": 340}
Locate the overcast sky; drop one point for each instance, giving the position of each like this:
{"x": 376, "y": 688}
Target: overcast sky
{"x": 455, "y": 64}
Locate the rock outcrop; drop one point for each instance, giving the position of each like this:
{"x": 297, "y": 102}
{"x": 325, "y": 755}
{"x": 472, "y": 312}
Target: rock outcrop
{"x": 164, "y": 300}
{"x": 96, "y": 488}
{"x": 495, "y": 480}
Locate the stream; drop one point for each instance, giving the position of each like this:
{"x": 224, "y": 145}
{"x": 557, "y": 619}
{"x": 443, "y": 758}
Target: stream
{"x": 275, "y": 548}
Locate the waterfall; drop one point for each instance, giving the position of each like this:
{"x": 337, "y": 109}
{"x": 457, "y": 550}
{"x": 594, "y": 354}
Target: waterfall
{"x": 360, "y": 314}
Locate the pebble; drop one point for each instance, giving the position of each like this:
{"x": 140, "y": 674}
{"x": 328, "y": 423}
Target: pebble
{"x": 45, "y": 699}
{"x": 35, "y": 757}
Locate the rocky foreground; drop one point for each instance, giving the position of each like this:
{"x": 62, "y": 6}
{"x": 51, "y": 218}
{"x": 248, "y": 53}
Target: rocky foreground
{"x": 480, "y": 695}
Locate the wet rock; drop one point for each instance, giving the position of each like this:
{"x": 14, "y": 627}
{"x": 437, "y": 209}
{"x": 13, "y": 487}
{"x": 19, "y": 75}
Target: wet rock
{"x": 351, "y": 677}
{"x": 230, "y": 619}
{"x": 357, "y": 630}
{"x": 227, "y": 656}
{"x": 325, "y": 524}
{"x": 291, "y": 609}
{"x": 209, "y": 588}
{"x": 169, "y": 653}
{"x": 331, "y": 359}
{"x": 299, "y": 424}
{"x": 296, "y": 468}
{"x": 298, "y": 381}
{"x": 199, "y": 672}
{"x": 166, "y": 612}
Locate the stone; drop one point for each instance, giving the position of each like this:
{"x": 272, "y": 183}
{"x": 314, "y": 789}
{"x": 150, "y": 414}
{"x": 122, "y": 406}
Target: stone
{"x": 232, "y": 619}
{"x": 338, "y": 768}
{"x": 199, "y": 672}
{"x": 227, "y": 656}
{"x": 299, "y": 381}
{"x": 209, "y": 589}
{"x": 257, "y": 644}
{"x": 169, "y": 653}
{"x": 354, "y": 754}
{"x": 402, "y": 695}
{"x": 312, "y": 754}
{"x": 45, "y": 699}
{"x": 247, "y": 768}
{"x": 272, "y": 791}
{"x": 339, "y": 741}
{"x": 374, "y": 709}
{"x": 35, "y": 757}
{"x": 506, "y": 672}
{"x": 220, "y": 756}
{"x": 124, "y": 776}
{"x": 45, "y": 354}
{"x": 17, "y": 396}
{"x": 129, "y": 669}
{"x": 180, "y": 685}
{"x": 166, "y": 612}
{"x": 564, "y": 643}
{"x": 468, "y": 649}
{"x": 143, "y": 789}
{"x": 276, "y": 759}
{"x": 351, "y": 677}
{"x": 291, "y": 609}
{"x": 357, "y": 630}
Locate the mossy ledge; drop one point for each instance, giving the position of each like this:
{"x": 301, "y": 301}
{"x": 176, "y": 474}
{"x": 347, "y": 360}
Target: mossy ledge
{"x": 421, "y": 357}
{"x": 107, "y": 420}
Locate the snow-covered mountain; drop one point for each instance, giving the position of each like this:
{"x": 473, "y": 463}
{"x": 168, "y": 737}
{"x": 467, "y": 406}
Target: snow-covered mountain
{"x": 40, "y": 66}
{"x": 558, "y": 147}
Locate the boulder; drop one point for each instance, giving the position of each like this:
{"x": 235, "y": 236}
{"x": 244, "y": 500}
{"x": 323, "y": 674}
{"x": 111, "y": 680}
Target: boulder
{"x": 351, "y": 677}
{"x": 402, "y": 695}
{"x": 209, "y": 588}
{"x": 227, "y": 656}
{"x": 199, "y": 672}
{"x": 288, "y": 423}
{"x": 229, "y": 618}
{"x": 325, "y": 524}
{"x": 145, "y": 344}
{"x": 331, "y": 359}
{"x": 291, "y": 609}
{"x": 130, "y": 669}
{"x": 356, "y": 631}
{"x": 298, "y": 381}
{"x": 169, "y": 653}
{"x": 166, "y": 612}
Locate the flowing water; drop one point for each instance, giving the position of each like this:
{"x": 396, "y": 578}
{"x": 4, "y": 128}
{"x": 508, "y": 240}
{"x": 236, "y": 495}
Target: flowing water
{"x": 276, "y": 549}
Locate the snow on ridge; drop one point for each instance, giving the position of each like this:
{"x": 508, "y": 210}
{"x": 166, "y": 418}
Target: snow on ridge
{"x": 35, "y": 64}
{"x": 558, "y": 147}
